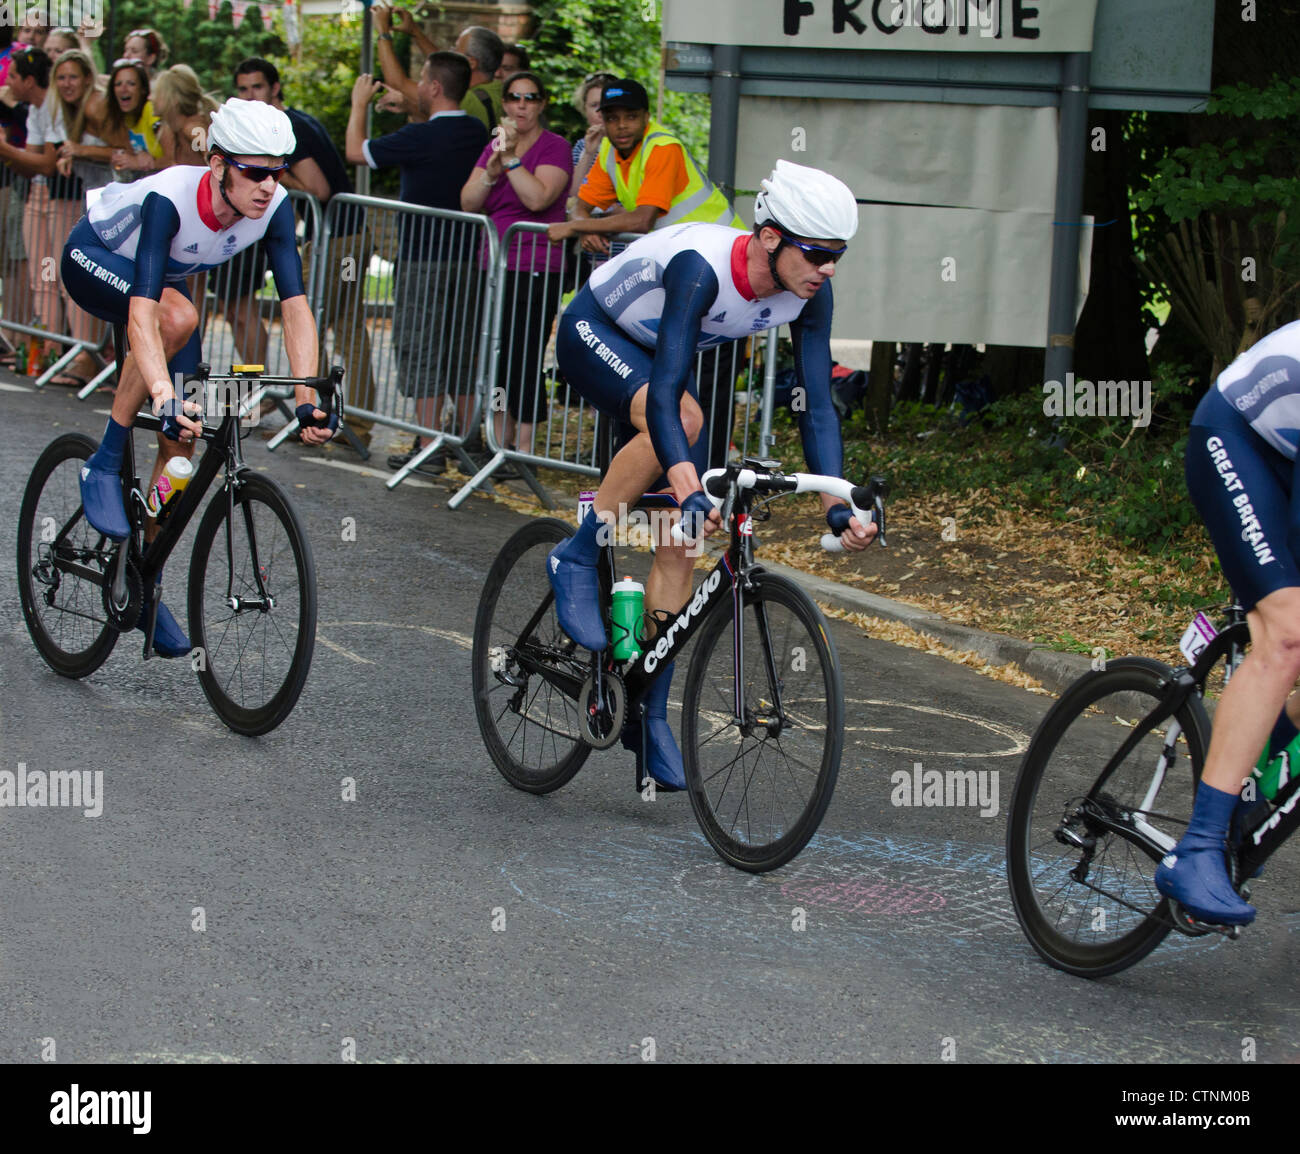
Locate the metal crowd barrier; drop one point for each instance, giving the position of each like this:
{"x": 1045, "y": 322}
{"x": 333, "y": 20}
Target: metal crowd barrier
{"x": 405, "y": 293}
{"x": 565, "y": 429}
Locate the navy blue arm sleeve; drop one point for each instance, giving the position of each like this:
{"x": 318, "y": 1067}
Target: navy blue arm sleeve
{"x": 819, "y": 424}
{"x": 281, "y": 243}
{"x": 690, "y": 287}
{"x": 159, "y": 223}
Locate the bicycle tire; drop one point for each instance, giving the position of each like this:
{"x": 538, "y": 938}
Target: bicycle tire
{"x": 517, "y": 717}
{"x": 64, "y": 613}
{"x": 807, "y": 753}
{"x": 1077, "y": 929}
{"x": 250, "y": 698}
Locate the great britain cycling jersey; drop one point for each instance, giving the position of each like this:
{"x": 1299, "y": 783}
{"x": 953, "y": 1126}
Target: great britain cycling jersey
{"x": 1241, "y": 466}
{"x": 645, "y": 313}
{"x": 165, "y": 225}
{"x": 136, "y": 239}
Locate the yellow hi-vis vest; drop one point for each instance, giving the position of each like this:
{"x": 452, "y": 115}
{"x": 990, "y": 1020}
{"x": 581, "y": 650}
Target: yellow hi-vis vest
{"x": 700, "y": 200}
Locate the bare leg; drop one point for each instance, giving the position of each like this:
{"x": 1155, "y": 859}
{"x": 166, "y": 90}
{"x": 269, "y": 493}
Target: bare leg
{"x": 1254, "y": 696}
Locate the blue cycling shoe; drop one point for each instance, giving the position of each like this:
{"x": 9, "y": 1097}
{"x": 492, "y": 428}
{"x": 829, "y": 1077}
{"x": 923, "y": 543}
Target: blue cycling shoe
{"x": 168, "y": 638}
{"x": 101, "y": 499}
{"x": 663, "y": 760}
{"x": 1198, "y": 880}
{"x": 577, "y": 599}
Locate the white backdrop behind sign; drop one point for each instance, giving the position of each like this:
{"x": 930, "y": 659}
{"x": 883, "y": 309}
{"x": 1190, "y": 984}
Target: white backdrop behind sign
{"x": 961, "y": 250}
{"x": 899, "y": 25}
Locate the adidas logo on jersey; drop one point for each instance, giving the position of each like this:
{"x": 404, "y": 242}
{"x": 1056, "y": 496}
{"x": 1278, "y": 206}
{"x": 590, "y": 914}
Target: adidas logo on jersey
{"x": 722, "y": 316}
{"x": 192, "y": 247}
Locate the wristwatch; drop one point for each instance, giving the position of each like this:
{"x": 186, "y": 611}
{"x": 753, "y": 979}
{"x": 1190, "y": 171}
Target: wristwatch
{"x": 385, "y": 36}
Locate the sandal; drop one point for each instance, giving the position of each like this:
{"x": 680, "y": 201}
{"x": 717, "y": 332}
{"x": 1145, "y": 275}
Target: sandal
{"x": 71, "y": 380}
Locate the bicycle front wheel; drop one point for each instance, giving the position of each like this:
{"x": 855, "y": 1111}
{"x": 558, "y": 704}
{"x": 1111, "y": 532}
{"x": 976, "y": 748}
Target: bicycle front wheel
{"x": 1083, "y": 845}
{"x": 523, "y": 664}
{"x": 252, "y": 606}
{"x": 762, "y": 753}
{"x": 61, "y": 564}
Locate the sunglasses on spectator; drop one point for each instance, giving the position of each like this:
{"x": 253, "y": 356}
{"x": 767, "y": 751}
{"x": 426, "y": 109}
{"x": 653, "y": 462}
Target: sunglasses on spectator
{"x": 258, "y": 172}
{"x": 526, "y": 97}
{"x": 816, "y": 254}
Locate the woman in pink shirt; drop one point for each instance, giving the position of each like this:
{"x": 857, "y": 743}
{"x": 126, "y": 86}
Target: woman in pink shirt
{"x": 523, "y": 175}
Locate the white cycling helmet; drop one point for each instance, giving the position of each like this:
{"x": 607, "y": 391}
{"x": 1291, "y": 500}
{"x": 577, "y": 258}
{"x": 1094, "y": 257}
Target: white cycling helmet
{"x": 807, "y": 202}
{"x": 251, "y": 128}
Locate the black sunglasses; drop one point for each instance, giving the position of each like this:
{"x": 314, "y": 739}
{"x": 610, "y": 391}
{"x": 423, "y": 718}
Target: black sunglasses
{"x": 815, "y": 254}
{"x": 527, "y": 97}
{"x": 258, "y": 172}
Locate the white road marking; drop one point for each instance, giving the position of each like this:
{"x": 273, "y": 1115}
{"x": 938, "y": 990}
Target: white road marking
{"x": 459, "y": 639}
{"x": 16, "y": 388}
{"x": 366, "y": 471}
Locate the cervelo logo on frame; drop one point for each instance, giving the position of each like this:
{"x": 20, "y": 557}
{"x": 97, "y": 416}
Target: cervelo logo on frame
{"x": 681, "y": 621}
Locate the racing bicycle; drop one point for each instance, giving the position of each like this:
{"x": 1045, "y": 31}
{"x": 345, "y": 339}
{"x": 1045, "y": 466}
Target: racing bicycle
{"x": 1106, "y": 789}
{"x": 252, "y": 580}
{"x": 763, "y": 707}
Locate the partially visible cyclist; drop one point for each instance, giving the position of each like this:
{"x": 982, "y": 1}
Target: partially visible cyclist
{"x": 1241, "y": 469}
{"x": 628, "y": 342}
{"x": 126, "y": 262}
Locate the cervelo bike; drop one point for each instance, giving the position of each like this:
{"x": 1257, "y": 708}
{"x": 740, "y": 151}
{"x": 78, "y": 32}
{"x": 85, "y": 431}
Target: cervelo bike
{"x": 252, "y": 580}
{"x": 1106, "y": 790}
{"x": 763, "y": 707}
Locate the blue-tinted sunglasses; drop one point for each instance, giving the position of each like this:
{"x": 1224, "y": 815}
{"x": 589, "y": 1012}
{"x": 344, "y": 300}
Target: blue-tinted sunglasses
{"x": 257, "y": 172}
{"x": 815, "y": 254}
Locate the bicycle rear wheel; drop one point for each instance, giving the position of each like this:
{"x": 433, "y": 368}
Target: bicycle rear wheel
{"x": 252, "y": 606}
{"x": 760, "y": 778}
{"x": 1082, "y": 849}
{"x": 522, "y": 663}
{"x": 58, "y": 552}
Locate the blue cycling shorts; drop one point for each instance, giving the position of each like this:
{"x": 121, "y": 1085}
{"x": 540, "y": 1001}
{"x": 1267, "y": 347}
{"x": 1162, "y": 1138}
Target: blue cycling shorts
{"x": 100, "y": 280}
{"x": 1243, "y": 489}
{"x": 607, "y": 368}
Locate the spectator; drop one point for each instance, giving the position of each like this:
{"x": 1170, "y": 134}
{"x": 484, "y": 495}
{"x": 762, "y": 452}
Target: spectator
{"x": 433, "y": 329}
{"x": 75, "y": 113}
{"x": 146, "y": 46}
{"x": 184, "y": 112}
{"x": 523, "y": 175}
{"x": 586, "y": 99}
{"x": 513, "y": 59}
{"x": 316, "y": 167}
{"x": 480, "y": 46}
{"x": 130, "y": 121}
{"x": 59, "y": 41}
{"x": 27, "y": 87}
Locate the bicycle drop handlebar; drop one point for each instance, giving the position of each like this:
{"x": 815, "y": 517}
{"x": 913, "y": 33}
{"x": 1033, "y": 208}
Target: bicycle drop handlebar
{"x": 866, "y": 501}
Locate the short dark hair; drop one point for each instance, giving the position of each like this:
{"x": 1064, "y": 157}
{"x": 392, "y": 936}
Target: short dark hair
{"x": 257, "y": 64}
{"x": 452, "y": 71}
{"x": 32, "y": 64}
{"x": 516, "y": 50}
{"x": 524, "y": 74}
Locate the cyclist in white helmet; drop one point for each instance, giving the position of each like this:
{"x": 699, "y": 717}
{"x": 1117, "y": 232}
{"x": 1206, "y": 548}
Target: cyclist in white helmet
{"x": 126, "y": 262}
{"x": 628, "y": 342}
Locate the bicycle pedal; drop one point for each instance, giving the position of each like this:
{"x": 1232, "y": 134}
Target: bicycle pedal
{"x": 1193, "y": 927}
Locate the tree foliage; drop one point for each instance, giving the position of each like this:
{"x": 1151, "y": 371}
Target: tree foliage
{"x": 577, "y": 37}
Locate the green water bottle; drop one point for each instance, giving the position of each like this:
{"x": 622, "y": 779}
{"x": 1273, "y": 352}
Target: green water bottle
{"x": 629, "y": 603}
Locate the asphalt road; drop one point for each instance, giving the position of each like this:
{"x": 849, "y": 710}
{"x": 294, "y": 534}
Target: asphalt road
{"x": 372, "y": 919}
